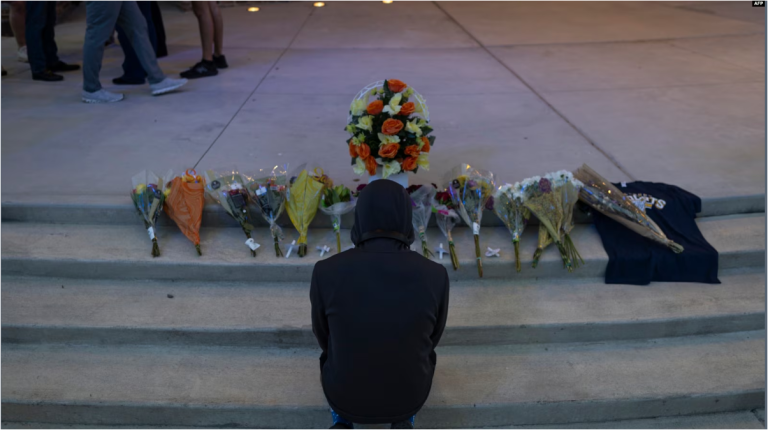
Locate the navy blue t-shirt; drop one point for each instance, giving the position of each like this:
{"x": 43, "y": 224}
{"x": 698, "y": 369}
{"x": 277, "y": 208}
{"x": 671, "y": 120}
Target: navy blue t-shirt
{"x": 635, "y": 259}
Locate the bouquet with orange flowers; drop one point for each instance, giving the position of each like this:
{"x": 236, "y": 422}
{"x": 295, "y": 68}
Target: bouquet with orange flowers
{"x": 389, "y": 127}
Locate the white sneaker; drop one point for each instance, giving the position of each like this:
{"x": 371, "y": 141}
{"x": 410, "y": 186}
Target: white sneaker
{"x": 166, "y": 85}
{"x": 101, "y": 96}
{"x": 22, "y": 55}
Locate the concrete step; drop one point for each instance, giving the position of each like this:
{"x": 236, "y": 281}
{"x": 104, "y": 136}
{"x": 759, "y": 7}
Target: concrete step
{"x": 114, "y": 210}
{"x": 123, "y": 252}
{"x": 482, "y": 312}
{"x": 746, "y": 420}
{"x": 473, "y": 387}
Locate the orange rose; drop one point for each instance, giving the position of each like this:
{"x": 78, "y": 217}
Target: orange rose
{"x": 389, "y": 150}
{"x": 364, "y": 150}
{"x": 352, "y": 150}
{"x": 407, "y": 108}
{"x": 409, "y": 164}
{"x": 396, "y": 86}
{"x": 391, "y": 127}
{"x": 370, "y": 165}
{"x": 375, "y": 107}
{"x": 412, "y": 150}
{"x": 426, "y": 147}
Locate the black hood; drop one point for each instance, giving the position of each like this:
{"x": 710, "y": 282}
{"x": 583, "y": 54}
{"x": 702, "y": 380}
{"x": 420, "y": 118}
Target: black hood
{"x": 383, "y": 210}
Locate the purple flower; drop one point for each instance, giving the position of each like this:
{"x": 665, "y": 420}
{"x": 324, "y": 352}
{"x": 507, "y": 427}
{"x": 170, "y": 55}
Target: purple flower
{"x": 545, "y": 186}
{"x": 471, "y": 184}
{"x": 489, "y": 204}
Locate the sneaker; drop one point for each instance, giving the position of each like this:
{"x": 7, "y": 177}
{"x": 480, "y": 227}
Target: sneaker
{"x": 202, "y": 69}
{"x": 101, "y": 96}
{"x": 47, "y": 76}
{"x": 64, "y": 67}
{"x": 220, "y": 62}
{"x": 22, "y": 55}
{"x": 166, "y": 85}
{"x": 122, "y": 80}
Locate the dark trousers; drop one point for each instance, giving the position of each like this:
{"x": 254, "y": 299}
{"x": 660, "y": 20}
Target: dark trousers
{"x": 157, "y": 19}
{"x": 41, "y": 47}
{"x": 131, "y": 66}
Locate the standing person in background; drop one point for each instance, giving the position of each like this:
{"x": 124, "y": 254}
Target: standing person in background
{"x": 100, "y": 19}
{"x": 41, "y": 46}
{"x": 157, "y": 19}
{"x": 17, "y": 18}
{"x": 212, "y": 36}
{"x": 133, "y": 73}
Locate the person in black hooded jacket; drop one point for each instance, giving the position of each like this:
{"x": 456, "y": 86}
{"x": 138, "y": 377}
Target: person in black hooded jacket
{"x": 378, "y": 312}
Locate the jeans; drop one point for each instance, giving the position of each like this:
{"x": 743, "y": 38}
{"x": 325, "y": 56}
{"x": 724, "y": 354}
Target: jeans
{"x": 100, "y": 19}
{"x": 338, "y": 419}
{"x": 41, "y": 46}
{"x": 132, "y": 69}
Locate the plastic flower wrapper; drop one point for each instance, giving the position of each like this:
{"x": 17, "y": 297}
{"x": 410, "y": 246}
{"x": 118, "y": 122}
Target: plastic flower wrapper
{"x": 184, "y": 204}
{"x": 421, "y": 199}
{"x": 228, "y": 188}
{"x": 568, "y": 187}
{"x": 470, "y": 190}
{"x": 335, "y": 202}
{"x": 600, "y": 194}
{"x": 303, "y": 198}
{"x": 446, "y": 218}
{"x": 268, "y": 193}
{"x": 544, "y": 202}
{"x": 510, "y": 209}
{"x": 148, "y": 195}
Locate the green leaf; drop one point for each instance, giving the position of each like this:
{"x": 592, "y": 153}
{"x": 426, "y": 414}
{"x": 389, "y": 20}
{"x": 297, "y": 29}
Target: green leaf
{"x": 431, "y": 140}
{"x": 354, "y": 161}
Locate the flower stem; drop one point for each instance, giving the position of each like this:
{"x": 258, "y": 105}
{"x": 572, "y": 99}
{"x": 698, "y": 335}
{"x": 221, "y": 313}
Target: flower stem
{"x": 454, "y": 257}
{"x": 155, "y": 248}
{"x": 338, "y": 242}
{"x": 536, "y": 256}
{"x": 517, "y": 255}
{"x": 278, "y": 251}
{"x": 248, "y": 235}
{"x": 197, "y": 247}
{"x": 425, "y": 250}
{"x": 477, "y": 253}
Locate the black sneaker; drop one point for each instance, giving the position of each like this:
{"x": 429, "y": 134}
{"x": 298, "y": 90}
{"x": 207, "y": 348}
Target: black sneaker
{"x": 220, "y": 62}
{"x": 202, "y": 69}
{"x": 122, "y": 80}
{"x": 64, "y": 67}
{"x": 47, "y": 76}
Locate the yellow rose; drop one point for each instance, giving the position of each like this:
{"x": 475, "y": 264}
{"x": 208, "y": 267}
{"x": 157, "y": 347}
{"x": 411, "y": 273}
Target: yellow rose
{"x": 359, "y": 167}
{"x": 384, "y": 139}
{"x": 365, "y": 123}
{"x": 393, "y": 108}
{"x": 390, "y": 168}
{"x": 140, "y": 188}
{"x": 358, "y": 107}
{"x": 423, "y": 161}
{"x": 412, "y": 127}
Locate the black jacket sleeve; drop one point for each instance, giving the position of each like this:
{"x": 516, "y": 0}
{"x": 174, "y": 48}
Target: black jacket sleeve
{"x": 442, "y": 314}
{"x": 319, "y": 320}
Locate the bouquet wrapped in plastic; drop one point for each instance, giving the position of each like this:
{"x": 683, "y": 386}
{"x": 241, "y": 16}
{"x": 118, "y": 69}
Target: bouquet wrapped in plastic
{"x": 446, "y": 218}
{"x": 268, "y": 194}
{"x": 148, "y": 195}
{"x": 337, "y": 201}
{"x": 510, "y": 209}
{"x": 228, "y": 189}
{"x": 546, "y": 203}
{"x": 421, "y": 200}
{"x": 600, "y": 194}
{"x": 568, "y": 187}
{"x": 470, "y": 190}
{"x": 303, "y": 198}
{"x": 185, "y": 203}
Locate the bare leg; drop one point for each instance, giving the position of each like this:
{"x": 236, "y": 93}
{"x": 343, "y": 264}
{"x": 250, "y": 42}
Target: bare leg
{"x": 218, "y": 29}
{"x": 17, "y": 17}
{"x": 204, "y": 20}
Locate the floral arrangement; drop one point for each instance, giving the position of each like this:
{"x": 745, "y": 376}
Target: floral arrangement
{"x": 228, "y": 189}
{"x": 268, "y": 192}
{"x": 335, "y": 202}
{"x": 148, "y": 194}
{"x": 446, "y": 218}
{"x": 303, "y": 198}
{"x": 421, "y": 200}
{"x": 184, "y": 204}
{"x": 512, "y": 212}
{"x": 390, "y": 132}
{"x": 470, "y": 190}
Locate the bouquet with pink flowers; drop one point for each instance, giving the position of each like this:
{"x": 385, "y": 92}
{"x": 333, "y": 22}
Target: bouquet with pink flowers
{"x": 446, "y": 218}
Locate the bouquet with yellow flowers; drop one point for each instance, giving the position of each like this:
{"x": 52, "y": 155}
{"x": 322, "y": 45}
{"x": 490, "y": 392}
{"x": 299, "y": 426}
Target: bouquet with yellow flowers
{"x": 148, "y": 194}
{"x": 304, "y": 193}
{"x": 470, "y": 190}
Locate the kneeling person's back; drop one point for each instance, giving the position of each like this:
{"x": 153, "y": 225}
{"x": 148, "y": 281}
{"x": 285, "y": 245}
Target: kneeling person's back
{"x": 378, "y": 312}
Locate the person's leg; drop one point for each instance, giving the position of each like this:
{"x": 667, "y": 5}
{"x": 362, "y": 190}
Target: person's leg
{"x": 205, "y": 22}
{"x": 157, "y": 20}
{"x": 100, "y": 19}
{"x": 17, "y": 16}
{"x": 135, "y": 26}
{"x": 49, "y": 41}
{"x": 35, "y": 22}
{"x": 218, "y": 29}
{"x": 133, "y": 73}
